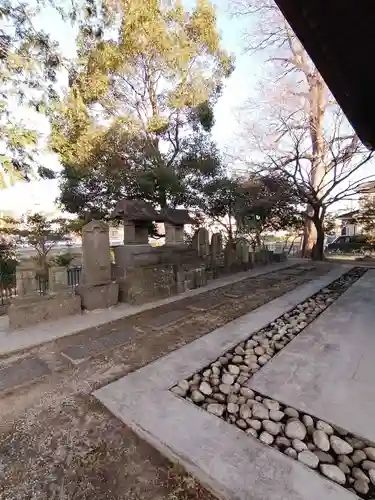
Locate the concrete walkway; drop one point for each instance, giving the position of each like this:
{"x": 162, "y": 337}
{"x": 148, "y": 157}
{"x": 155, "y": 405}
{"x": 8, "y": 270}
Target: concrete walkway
{"x": 329, "y": 370}
{"x": 45, "y": 332}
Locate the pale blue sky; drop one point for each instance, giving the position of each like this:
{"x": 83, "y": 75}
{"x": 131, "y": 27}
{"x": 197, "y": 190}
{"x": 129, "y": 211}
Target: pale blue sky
{"x": 42, "y": 194}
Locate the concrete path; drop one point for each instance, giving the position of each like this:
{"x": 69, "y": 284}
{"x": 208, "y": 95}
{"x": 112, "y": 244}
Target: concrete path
{"x": 234, "y": 466}
{"x": 329, "y": 369}
{"x": 45, "y": 332}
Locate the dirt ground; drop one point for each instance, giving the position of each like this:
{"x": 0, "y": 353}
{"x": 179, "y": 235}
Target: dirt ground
{"x": 58, "y": 443}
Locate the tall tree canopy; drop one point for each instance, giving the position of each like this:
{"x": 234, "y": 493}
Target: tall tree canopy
{"x": 138, "y": 114}
{"x": 29, "y": 61}
{"x": 251, "y": 205}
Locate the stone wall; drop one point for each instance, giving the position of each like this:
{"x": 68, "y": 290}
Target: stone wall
{"x": 31, "y": 310}
{"x": 146, "y": 273}
{"x": 147, "y": 283}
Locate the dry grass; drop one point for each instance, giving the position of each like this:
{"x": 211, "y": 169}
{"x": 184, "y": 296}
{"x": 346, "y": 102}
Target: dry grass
{"x": 183, "y": 486}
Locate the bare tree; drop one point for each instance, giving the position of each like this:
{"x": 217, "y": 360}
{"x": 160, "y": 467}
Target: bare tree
{"x": 342, "y": 168}
{"x": 300, "y": 96}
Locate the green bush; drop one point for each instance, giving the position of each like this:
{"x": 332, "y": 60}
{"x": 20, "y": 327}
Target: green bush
{"x": 62, "y": 260}
{"x": 8, "y": 264}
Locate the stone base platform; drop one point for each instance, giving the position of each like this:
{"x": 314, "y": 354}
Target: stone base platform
{"x": 98, "y": 296}
{"x": 27, "y": 311}
{"x": 229, "y": 464}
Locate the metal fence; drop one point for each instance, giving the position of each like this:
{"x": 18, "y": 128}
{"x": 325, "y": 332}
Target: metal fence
{"x": 8, "y": 284}
{"x": 74, "y": 276}
{"x": 8, "y": 288}
{"x": 293, "y": 249}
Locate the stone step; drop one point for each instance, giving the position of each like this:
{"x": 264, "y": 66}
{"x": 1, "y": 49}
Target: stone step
{"x": 21, "y": 373}
{"x": 81, "y": 352}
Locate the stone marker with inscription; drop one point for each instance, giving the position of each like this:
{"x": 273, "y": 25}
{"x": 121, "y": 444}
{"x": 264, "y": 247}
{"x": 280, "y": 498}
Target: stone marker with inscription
{"x": 97, "y": 291}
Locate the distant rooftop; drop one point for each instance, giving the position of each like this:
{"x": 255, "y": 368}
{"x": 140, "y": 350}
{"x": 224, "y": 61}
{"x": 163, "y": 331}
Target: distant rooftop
{"x": 136, "y": 210}
{"x": 366, "y": 187}
{"x": 176, "y": 216}
{"x": 348, "y": 215}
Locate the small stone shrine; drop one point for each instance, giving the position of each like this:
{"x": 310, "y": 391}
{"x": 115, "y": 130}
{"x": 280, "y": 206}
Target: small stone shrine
{"x": 174, "y": 221}
{"x": 137, "y": 216}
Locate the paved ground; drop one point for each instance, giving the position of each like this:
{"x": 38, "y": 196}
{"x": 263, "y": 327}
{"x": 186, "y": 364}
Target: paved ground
{"x": 57, "y": 442}
{"x": 234, "y": 465}
{"x": 329, "y": 370}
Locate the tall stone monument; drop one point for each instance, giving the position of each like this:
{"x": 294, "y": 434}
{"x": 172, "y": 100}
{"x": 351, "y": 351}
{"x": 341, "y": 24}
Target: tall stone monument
{"x": 97, "y": 290}
{"x": 216, "y": 249}
{"x": 201, "y": 242}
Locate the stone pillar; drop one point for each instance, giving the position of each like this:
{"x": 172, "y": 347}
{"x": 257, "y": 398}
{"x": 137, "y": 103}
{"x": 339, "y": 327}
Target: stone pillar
{"x": 239, "y": 245}
{"x": 26, "y": 279}
{"x": 252, "y": 258}
{"x": 245, "y": 255}
{"x": 174, "y": 234}
{"x": 58, "y": 278}
{"x": 216, "y": 249}
{"x": 129, "y": 232}
{"x": 201, "y": 242}
{"x": 216, "y": 246}
{"x": 229, "y": 256}
{"x": 97, "y": 291}
{"x": 96, "y": 253}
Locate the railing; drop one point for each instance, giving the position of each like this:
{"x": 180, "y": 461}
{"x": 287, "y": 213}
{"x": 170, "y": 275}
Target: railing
{"x": 41, "y": 285}
{"x": 74, "y": 276}
{"x": 8, "y": 285}
{"x": 292, "y": 249}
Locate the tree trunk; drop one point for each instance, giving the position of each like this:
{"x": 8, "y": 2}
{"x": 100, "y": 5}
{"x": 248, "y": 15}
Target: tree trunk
{"x": 309, "y": 235}
{"x": 257, "y": 239}
{"x": 317, "y": 106}
{"x": 318, "y": 252}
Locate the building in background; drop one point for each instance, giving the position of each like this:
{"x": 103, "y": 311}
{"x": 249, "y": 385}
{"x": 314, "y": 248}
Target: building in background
{"x": 350, "y": 225}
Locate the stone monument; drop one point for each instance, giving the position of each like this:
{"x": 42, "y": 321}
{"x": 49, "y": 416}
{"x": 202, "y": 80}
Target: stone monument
{"x": 26, "y": 278}
{"x": 97, "y": 290}
{"x": 201, "y": 242}
{"x": 230, "y": 256}
{"x": 216, "y": 250}
{"x": 246, "y": 255}
{"x": 58, "y": 278}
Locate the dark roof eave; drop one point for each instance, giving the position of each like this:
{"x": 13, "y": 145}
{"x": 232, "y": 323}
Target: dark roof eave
{"x": 342, "y": 60}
